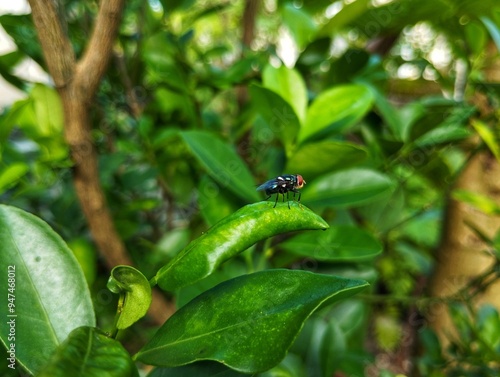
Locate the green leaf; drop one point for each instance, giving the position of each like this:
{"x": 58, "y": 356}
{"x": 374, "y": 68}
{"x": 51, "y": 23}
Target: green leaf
{"x": 337, "y": 244}
{"x": 51, "y": 297}
{"x": 222, "y": 163}
{"x": 347, "y": 188}
{"x": 493, "y": 29}
{"x": 87, "y": 352}
{"x": 135, "y": 294}
{"x": 232, "y": 235}
{"x": 479, "y": 201}
{"x": 247, "y": 323}
{"x": 48, "y": 111}
{"x": 289, "y": 84}
{"x": 301, "y": 24}
{"x": 215, "y": 202}
{"x": 347, "y": 14}
{"x": 278, "y": 114}
{"x": 86, "y": 255}
{"x": 11, "y": 174}
{"x": 335, "y": 110}
{"x": 443, "y": 134}
{"x": 199, "y": 369}
{"x": 488, "y": 137}
{"x": 313, "y": 159}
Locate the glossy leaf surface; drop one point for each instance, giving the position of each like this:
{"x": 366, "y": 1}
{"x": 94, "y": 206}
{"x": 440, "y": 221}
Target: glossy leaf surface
{"x": 232, "y": 235}
{"x": 222, "y": 163}
{"x": 335, "y": 110}
{"x": 247, "y": 323}
{"x": 135, "y": 294}
{"x": 339, "y": 243}
{"x": 89, "y": 353}
{"x": 51, "y": 294}
{"x": 313, "y": 159}
{"x": 289, "y": 85}
{"x": 347, "y": 188}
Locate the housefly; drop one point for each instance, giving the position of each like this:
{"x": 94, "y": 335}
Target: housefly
{"x": 283, "y": 185}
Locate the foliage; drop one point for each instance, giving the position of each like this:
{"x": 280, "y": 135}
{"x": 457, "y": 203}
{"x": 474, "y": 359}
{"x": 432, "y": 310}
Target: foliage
{"x": 187, "y": 122}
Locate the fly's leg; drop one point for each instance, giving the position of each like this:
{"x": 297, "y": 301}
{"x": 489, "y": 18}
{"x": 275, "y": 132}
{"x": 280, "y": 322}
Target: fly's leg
{"x": 276, "y": 202}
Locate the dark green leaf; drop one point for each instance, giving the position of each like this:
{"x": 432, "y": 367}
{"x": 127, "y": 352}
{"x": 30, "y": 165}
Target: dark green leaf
{"x": 313, "y": 159}
{"x": 247, "y": 323}
{"x": 222, "y": 163}
{"x": 335, "y": 110}
{"x": 231, "y": 236}
{"x": 199, "y": 369}
{"x": 347, "y": 188}
{"x": 51, "y": 295}
{"x": 338, "y": 244}
{"x": 135, "y": 294}
{"x": 87, "y": 352}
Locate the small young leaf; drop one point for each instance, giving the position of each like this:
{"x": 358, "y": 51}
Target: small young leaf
{"x": 89, "y": 353}
{"x": 247, "y": 323}
{"x": 232, "y": 235}
{"x": 135, "y": 294}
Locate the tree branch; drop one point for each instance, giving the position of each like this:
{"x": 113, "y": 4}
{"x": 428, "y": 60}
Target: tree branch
{"x": 93, "y": 64}
{"x": 56, "y": 47}
{"x": 77, "y": 84}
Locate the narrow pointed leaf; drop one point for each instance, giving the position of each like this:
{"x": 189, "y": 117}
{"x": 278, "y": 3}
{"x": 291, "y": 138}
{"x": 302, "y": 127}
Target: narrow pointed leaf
{"x": 247, "y": 323}
{"x": 232, "y": 235}
{"x": 133, "y": 286}
{"x": 89, "y": 353}
{"x": 222, "y": 163}
{"x": 49, "y": 293}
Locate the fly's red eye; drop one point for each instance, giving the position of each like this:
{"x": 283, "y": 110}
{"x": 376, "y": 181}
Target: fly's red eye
{"x": 300, "y": 181}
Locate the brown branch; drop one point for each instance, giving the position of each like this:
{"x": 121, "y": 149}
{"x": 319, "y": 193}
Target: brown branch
{"x": 77, "y": 84}
{"x": 57, "y": 50}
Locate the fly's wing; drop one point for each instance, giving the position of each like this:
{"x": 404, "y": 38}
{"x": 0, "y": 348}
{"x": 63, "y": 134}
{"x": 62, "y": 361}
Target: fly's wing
{"x": 269, "y": 185}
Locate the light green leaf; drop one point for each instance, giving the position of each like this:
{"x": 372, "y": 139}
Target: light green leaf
{"x": 135, "y": 294}
{"x": 347, "y": 14}
{"x": 479, "y": 201}
{"x": 335, "y": 110}
{"x": 247, "y": 323}
{"x": 11, "y": 174}
{"x": 488, "y": 137}
{"x": 290, "y": 85}
{"x": 301, "y": 24}
{"x": 50, "y": 294}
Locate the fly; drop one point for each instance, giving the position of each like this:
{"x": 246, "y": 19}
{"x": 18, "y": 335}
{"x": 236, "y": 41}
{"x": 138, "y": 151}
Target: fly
{"x": 283, "y": 185}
